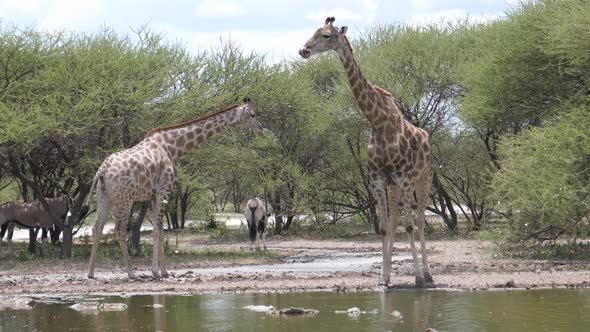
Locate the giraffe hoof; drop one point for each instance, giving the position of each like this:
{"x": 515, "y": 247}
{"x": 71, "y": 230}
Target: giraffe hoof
{"x": 91, "y": 276}
{"x": 132, "y": 276}
{"x": 156, "y": 274}
{"x": 428, "y": 279}
{"x": 384, "y": 283}
{"x": 165, "y": 274}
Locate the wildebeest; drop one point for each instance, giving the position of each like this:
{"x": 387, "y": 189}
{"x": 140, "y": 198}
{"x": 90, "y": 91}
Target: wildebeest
{"x": 256, "y": 217}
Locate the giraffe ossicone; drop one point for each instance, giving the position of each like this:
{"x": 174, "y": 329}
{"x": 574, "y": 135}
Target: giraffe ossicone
{"x": 147, "y": 171}
{"x": 399, "y": 154}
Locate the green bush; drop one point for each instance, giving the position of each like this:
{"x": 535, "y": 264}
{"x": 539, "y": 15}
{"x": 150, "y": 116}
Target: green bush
{"x": 545, "y": 179}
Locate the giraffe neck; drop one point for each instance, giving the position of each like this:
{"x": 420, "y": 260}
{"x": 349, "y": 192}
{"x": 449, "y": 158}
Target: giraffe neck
{"x": 182, "y": 139}
{"x": 369, "y": 98}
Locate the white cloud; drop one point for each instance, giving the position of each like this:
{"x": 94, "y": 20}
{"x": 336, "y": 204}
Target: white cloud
{"x": 341, "y": 14}
{"x": 73, "y": 15}
{"x": 21, "y": 7}
{"x": 219, "y": 8}
{"x": 371, "y": 6}
{"x": 276, "y": 46}
{"x": 422, "y": 5}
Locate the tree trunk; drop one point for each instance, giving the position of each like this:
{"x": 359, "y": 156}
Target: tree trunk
{"x": 275, "y": 202}
{"x": 446, "y": 204}
{"x": 33, "y": 239}
{"x": 66, "y": 245}
{"x": 183, "y": 201}
{"x": 278, "y": 224}
{"x": 374, "y": 219}
{"x": 173, "y": 215}
{"x": 288, "y": 222}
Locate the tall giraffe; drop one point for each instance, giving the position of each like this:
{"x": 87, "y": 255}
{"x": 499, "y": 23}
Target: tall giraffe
{"x": 399, "y": 154}
{"x": 147, "y": 171}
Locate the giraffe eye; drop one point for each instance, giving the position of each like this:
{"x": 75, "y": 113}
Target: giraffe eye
{"x": 252, "y": 115}
{"x": 327, "y": 36}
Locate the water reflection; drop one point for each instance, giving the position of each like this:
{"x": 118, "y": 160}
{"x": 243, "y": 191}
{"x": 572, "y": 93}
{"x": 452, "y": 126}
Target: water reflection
{"x": 414, "y": 310}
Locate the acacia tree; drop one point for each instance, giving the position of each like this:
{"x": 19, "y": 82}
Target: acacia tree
{"x": 543, "y": 176}
{"x": 87, "y": 97}
{"x": 513, "y": 80}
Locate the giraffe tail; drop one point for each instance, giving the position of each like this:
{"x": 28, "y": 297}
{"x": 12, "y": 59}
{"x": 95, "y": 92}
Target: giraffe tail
{"x": 97, "y": 177}
{"x": 253, "y": 224}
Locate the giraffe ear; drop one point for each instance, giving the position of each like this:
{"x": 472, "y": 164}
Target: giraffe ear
{"x": 343, "y": 30}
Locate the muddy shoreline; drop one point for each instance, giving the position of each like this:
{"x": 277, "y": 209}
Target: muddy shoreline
{"x": 300, "y": 266}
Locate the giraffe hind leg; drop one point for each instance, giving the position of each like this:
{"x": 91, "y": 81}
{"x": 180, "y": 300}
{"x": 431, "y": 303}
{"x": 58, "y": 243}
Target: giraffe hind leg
{"x": 103, "y": 208}
{"x": 388, "y": 216}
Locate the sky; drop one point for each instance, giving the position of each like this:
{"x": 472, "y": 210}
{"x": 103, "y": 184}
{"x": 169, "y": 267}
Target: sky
{"x": 274, "y": 28}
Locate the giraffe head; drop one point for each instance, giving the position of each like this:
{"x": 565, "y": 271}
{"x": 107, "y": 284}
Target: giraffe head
{"x": 326, "y": 38}
{"x": 248, "y": 117}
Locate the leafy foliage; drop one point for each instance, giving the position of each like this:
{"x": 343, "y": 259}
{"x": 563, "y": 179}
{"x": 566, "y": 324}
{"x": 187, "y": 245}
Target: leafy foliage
{"x": 545, "y": 177}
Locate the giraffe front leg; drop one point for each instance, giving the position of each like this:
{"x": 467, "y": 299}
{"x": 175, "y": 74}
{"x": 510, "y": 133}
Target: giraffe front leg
{"x": 156, "y": 242}
{"x": 121, "y": 218}
{"x": 158, "y": 256}
{"x": 422, "y": 191}
{"x": 163, "y": 272}
{"x": 409, "y": 226}
{"x": 421, "y": 221}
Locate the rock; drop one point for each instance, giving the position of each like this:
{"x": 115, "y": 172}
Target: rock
{"x": 96, "y": 306}
{"x": 15, "y": 303}
{"x": 295, "y": 311}
{"x": 354, "y": 311}
{"x": 85, "y": 306}
{"x": 397, "y": 314}
{"x": 112, "y": 306}
{"x": 260, "y": 308}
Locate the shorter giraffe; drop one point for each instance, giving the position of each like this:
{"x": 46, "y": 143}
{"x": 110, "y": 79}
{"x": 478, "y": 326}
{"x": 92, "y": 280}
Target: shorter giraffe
{"x": 147, "y": 171}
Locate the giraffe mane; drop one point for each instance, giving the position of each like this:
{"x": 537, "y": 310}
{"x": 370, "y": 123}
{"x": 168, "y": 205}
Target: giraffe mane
{"x": 382, "y": 91}
{"x": 377, "y": 88}
{"x": 184, "y": 124}
{"x": 348, "y": 43}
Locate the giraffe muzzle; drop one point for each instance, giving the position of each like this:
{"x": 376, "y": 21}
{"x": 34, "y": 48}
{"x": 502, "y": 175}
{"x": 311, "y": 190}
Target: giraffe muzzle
{"x": 305, "y": 52}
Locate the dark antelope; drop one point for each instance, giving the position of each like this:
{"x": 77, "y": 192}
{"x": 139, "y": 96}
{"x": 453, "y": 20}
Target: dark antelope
{"x": 32, "y": 215}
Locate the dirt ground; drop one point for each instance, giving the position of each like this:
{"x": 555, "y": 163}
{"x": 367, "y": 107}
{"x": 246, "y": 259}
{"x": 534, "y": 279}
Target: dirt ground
{"x": 339, "y": 266}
